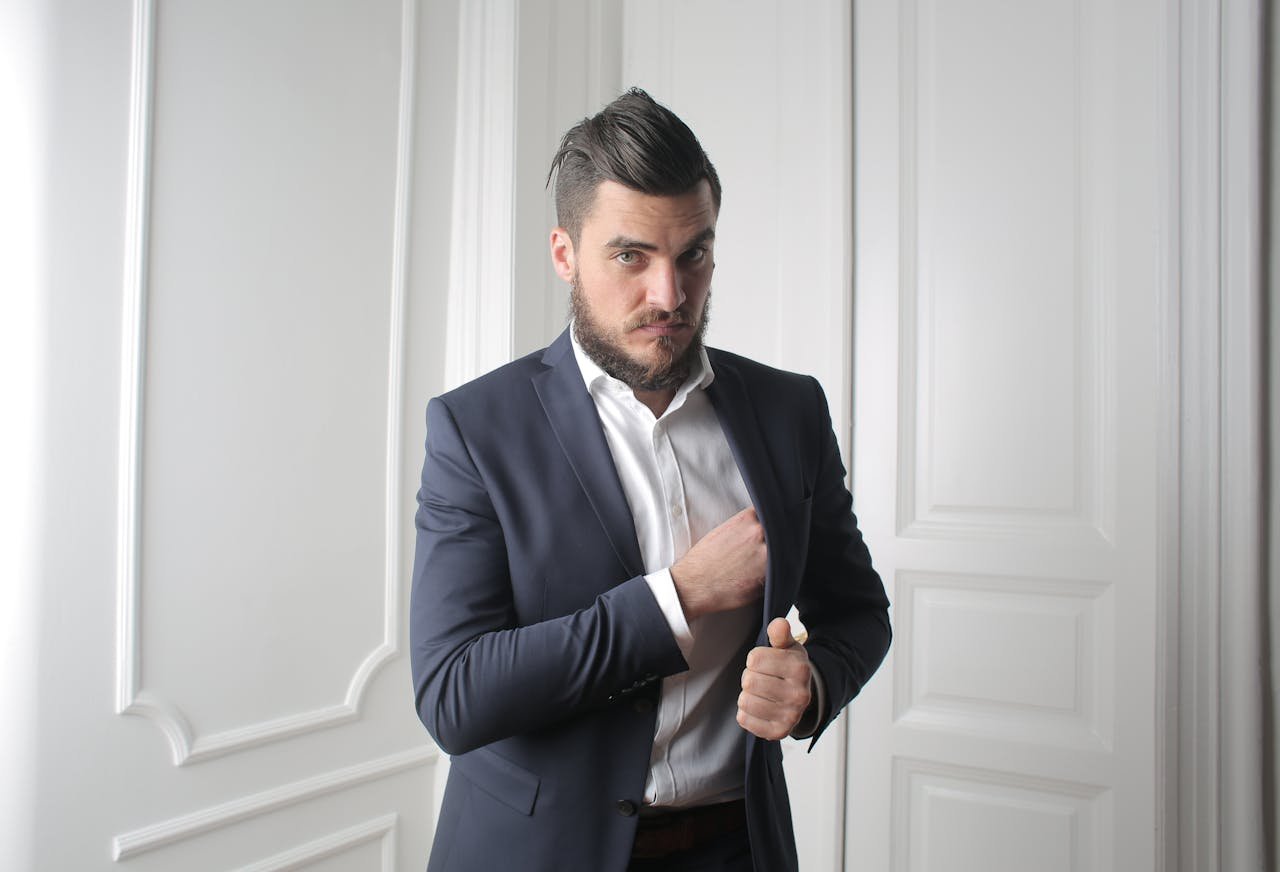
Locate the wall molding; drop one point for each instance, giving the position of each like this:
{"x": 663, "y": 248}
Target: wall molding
{"x": 145, "y": 839}
{"x": 131, "y": 697}
{"x": 1082, "y": 801}
{"x": 133, "y": 353}
{"x": 1210, "y": 534}
{"x": 482, "y": 250}
{"x": 1086, "y": 725}
{"x": 382, "y": 829}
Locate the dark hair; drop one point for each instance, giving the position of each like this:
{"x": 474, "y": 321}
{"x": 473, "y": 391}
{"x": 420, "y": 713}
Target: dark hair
{"x": 634, "y": 141}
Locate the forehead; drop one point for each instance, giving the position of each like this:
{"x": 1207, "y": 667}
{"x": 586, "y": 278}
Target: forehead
{"x": 619, "y": 210}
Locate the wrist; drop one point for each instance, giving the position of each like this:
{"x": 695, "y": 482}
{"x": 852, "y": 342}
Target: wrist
{"x": 685, "y": 592}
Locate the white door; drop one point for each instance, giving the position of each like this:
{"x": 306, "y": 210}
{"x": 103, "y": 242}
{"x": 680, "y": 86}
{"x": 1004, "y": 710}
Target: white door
{"x": 241, "y": 274}
{"x": 1011, "y": 167}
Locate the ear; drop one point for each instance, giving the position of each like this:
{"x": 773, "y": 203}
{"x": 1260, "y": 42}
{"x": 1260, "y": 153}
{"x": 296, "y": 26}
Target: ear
{"x": 563, "y": 257}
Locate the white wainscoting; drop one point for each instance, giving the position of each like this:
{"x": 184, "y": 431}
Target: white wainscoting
{"x": 242, "y": 201}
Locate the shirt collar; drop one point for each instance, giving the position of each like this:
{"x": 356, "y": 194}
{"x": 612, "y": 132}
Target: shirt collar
{"x": 700, "y": 374}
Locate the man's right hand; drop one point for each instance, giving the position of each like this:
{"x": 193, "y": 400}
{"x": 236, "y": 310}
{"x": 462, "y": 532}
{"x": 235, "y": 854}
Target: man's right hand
{"x": 724, "y": 569}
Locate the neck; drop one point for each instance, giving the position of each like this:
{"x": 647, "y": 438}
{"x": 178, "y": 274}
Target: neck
{"x": 656, "y": 401}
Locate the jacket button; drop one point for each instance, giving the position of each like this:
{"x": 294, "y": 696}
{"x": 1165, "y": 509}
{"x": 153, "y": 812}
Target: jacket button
{"x": 643, "y": 705}
{"x": 626, "y": 807}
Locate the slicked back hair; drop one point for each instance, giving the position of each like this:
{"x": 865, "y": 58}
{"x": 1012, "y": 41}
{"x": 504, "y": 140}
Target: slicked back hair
{"x": 634, "y": 141}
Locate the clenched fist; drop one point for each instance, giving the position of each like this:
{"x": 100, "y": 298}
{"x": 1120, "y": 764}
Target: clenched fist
{"x": 724, "y": 569}
{"x": 775, "y": 685}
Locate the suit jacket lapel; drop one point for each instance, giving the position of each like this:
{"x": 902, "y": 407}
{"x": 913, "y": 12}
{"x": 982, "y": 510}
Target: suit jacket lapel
{"x": 573, "y": 417}
{"x": 742, "y": 429}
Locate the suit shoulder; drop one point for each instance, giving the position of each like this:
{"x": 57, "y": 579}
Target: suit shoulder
{"x": 791, "y": 394}
{"x": 760, "y": 374}
{"x": 496, "y": 386}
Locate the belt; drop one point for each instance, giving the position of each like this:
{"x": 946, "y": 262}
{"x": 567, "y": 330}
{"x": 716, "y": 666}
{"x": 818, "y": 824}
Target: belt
{"x": 684, "y": 829}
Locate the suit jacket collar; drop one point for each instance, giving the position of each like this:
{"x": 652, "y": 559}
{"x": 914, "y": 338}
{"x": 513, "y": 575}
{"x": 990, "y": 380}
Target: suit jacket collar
{"x": 573, "y": 417}
{"x": 740, "y": 421}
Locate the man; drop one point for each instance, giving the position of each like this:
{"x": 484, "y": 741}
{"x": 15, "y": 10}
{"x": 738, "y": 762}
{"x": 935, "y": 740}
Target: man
{"x": 609, "y": 533}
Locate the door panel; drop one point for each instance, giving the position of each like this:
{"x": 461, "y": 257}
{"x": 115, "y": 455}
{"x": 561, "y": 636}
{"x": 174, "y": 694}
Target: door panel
{"x": 1008, "y": 160}
{"x": 270, "y": 321}
{"x": 245, "y": 216}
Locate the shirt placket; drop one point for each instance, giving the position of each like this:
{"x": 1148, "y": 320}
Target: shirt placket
{"x": 673, "y": 707}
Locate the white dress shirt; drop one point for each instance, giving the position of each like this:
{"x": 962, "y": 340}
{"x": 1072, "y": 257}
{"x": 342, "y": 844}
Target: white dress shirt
{"x": 681, "y": 482}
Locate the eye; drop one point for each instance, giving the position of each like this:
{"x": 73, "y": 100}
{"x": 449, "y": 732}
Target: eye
{"x": 628, "y": 258}
{"x": 695, "y": 255}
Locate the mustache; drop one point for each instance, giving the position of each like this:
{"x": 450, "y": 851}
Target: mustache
{"x": 660, "y": 316}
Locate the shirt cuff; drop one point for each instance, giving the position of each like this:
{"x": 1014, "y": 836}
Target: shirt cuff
{"x": 812, "y": 717}
{"x": 664, "y": 591}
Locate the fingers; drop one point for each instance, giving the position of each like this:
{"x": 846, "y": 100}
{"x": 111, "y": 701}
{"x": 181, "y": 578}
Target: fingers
{"x": 775, "y": 689}
{"x": 764, "y": 728}
{"x": 771, "y": 708}
{"x": 781, "y": 692}
{"x": 787, "y": 663}
{"x": 742, "y": 530}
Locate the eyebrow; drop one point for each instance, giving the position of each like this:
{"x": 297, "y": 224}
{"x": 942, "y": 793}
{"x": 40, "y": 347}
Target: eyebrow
{"x": 620, "y": 242}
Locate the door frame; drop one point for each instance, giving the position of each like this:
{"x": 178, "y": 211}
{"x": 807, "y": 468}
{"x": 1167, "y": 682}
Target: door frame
{"x": 1210, "y": 531}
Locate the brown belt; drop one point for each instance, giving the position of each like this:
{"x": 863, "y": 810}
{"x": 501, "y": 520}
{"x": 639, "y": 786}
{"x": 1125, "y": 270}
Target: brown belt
{"x": 684, "y": 829}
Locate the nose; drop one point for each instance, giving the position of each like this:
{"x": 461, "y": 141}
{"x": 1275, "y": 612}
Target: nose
{"x": 664, "y": 291}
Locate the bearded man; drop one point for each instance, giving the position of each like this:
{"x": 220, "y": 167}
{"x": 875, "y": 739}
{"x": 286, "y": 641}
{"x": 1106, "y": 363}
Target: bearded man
{"x": 610, "y": 533}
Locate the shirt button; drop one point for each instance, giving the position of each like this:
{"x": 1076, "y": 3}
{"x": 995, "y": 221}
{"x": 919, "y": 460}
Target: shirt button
{"x": 626, "y": 807}
{"x": 643, "y": 705}
{"x": 677, "y": 510}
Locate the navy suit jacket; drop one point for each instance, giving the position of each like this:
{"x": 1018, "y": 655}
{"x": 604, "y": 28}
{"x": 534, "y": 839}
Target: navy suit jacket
{"x": 538, "y": 649}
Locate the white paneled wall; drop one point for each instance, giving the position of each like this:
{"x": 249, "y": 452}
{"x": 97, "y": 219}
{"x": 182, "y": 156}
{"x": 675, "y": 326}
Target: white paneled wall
{"x": 243, "y": 214}
{"x": 267, "y": 321}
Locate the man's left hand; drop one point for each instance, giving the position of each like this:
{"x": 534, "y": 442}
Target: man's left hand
{"x": 775, "y": 685}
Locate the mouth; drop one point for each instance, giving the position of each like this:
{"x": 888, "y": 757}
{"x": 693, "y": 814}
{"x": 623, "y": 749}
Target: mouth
{"x": 662, "y": 324}
{"x": 664, "y": 328}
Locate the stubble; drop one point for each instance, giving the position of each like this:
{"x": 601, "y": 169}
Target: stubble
{"x": 668, "y": 368}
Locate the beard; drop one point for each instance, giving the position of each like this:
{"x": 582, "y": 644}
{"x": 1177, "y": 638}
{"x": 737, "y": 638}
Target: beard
{"x": 668, "y": 367}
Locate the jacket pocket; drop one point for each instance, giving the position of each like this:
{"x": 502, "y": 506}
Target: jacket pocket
{"x": 512, "y": 785}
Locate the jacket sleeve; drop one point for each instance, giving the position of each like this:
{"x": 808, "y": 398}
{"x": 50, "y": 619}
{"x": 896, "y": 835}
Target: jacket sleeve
{"x": 841, "y": 599}
{"x": 479, "y": 676}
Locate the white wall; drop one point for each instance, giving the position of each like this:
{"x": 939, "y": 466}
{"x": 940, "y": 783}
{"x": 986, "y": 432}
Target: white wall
{"x": 240, "y": 211}
{"x": 24, "y": 80}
